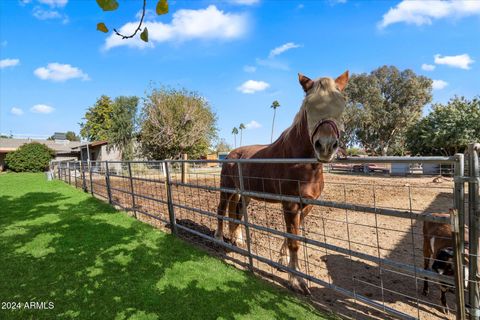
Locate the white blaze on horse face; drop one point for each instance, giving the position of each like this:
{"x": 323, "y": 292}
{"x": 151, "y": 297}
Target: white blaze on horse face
{"x": 324, "y": 102}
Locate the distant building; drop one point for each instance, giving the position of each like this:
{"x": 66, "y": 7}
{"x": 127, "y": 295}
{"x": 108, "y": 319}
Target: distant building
{"x": 97, "y": 151}
{"x": 64, "y": 149}
{"x": 59, "y": 136}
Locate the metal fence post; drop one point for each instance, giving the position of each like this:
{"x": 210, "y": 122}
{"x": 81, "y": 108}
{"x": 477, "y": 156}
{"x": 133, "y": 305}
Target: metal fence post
{"x": 84, "y": 181}
{"x": 474, "y": 217}
{"x": 245, "y": 215}
{"x": 107, "y": 183}
{"x": 458, "y": 264}
{"x": 171, "y": 212}
{"x": 69, "y": 173}
{"x": 184, "y": 168}
{"x": 132, "y": 190}
{"x": 75, "y": 173}
{"x": 91, "y": 179}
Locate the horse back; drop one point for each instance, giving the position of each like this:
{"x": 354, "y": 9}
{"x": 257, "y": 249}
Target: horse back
{"x": 291, "y": 179}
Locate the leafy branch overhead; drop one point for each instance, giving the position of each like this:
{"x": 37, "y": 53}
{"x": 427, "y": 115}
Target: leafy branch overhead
{"x": 112, "y": 5}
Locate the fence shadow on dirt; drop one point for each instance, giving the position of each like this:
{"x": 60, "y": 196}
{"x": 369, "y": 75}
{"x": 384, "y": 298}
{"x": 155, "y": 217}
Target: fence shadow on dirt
{"x": 360, "y": 273}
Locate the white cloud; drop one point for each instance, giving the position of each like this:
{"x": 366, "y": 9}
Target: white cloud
{"x": 54, "y": 3}
{"x": 41, "y": 14}
{"x": 282, "y": 49}
{"x": 423, "y": 12}
{"x": 253, "y": 125}
{"x": 272, "y": 63}
{"x": 5, "y": 63}
{"x": 45, "y": 14}
{"x": 16, "y": 111}
{"x": 245, "y": 2}
{"x": 334, "y": 2}
{"x": 252, "y": 86}
{"x": 249, "y": 69}
{"x": 439, "y": 84}
{"x": 428, "y": 67}
{"x": 209, "y": 23}
{"x": 60, "y": 72}
{"x": 42, "y": 108}
{"x": 462, "y": 61}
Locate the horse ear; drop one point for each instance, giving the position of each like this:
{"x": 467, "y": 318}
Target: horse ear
{"x": 305, "y": 82}
{"x": 342, "y": 80}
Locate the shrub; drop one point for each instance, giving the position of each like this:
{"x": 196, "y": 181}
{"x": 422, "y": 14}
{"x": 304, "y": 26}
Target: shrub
{"x": 31, "y": 157}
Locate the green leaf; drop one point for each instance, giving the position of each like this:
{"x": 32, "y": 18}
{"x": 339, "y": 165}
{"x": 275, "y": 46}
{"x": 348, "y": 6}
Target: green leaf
{"x": 162, "y": 7}
{"x": 108, "y": 5}
{"x": 102, "y": 27}
{"x": 144, "y": 35}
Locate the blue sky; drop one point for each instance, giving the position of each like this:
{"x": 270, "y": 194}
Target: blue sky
{"x": 239, "y": 54}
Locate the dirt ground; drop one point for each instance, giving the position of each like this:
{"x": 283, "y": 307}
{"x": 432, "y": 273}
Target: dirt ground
{"x": 397, "y": 239}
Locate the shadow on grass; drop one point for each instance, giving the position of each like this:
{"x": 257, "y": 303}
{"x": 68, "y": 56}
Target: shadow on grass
{"x": 95, "y": 263}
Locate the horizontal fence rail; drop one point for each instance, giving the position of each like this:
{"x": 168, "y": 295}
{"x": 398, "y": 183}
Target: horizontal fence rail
{"x": 362, "y": 239}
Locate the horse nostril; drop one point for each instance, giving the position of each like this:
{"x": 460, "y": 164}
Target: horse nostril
{"x": 335, "y": 145}
{"x": 318, "y": 145}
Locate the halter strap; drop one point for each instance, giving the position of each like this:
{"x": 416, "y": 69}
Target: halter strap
{"x": 331, "y": 123}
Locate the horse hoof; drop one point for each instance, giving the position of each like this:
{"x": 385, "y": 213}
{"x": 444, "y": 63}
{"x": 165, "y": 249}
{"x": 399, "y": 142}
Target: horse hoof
{"x": 299, "y": 285}
{"x": 218, "y": 235}
{"x": 284, "y": 262}
{"x": 239, "y": 243}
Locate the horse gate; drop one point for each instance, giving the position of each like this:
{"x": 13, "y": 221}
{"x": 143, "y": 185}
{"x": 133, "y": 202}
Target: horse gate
{"x": 361, "y": 244}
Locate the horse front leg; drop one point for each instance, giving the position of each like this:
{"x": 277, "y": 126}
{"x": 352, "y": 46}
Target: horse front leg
{"x": 236, "y": 212}
{"x": 292, "y": 215}
{"x": 284, "y": 255}
{"x": 221, "y": 211}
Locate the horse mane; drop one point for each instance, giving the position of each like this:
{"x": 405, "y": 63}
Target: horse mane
{"x": 324, "y": 86}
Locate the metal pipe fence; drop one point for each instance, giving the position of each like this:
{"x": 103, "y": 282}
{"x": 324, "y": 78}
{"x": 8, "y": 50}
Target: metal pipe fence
{"x": 360, "y": 246}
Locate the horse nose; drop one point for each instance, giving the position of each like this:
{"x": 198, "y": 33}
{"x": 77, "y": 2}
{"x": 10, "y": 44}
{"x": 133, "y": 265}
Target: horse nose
{"x": 326, "y": 146}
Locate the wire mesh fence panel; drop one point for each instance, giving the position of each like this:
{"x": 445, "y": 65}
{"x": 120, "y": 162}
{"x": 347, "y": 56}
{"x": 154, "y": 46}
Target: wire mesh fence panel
{"x": 362, "y": 237}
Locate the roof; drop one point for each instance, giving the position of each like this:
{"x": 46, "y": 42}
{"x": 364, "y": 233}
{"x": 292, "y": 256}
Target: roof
{"x": 91, "y": 144}
{"x": 59, "y": 136}
{"x": 64, "y": 146}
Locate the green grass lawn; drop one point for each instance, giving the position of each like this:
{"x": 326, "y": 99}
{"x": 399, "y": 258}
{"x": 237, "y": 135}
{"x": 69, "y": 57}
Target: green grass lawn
{"x": 60, "y": 245}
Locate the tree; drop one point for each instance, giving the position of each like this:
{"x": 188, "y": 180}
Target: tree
{"x": 387, "y": 101}
{"x": 174, "y": 122}
{"x": 122, "y": 132}
{"x": 448, "y": 129}
{"x": 222, "y": 146}
{"x": 241, "y": 127}
{"x": 112, "y": 5}
{"x": 72, "y": 136}
{"x": 235, "y": 132}
{"x": 275, "y": 105}
{"x": 98, "y": 120}
{"x": 30, "y": 157}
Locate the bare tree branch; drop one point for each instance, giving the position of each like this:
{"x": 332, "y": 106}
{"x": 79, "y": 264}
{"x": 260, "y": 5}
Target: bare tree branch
{"x": 139, "y": 25}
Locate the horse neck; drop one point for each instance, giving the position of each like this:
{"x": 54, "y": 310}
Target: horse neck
{"x": 295, "y": 141}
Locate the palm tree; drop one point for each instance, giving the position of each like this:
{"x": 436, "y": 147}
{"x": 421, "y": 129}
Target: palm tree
{"x": 235, "y": 132}
{"x": 241, "y": 127}
{"x": 275, "y": 105}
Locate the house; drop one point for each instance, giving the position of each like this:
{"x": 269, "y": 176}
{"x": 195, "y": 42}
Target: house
{"x": 64, "y": 149}
{"x": 97, "y": 151}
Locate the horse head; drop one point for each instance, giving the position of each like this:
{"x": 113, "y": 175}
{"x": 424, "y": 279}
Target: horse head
{"x": 323, "y": 105}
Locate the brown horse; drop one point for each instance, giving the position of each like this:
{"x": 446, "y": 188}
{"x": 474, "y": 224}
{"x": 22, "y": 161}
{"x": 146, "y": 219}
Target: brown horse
{"x": 315, "y": 132}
